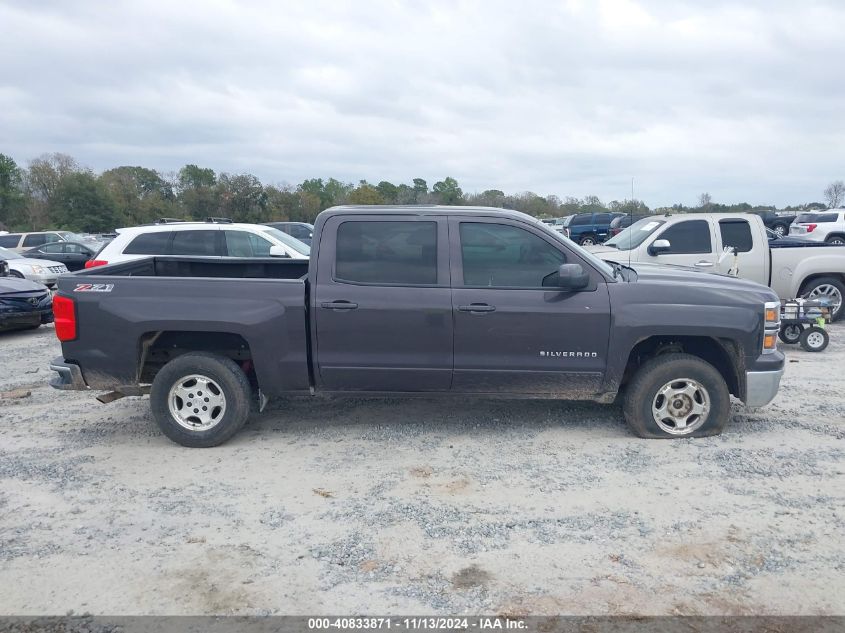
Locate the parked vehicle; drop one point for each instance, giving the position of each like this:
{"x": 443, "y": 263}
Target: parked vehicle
{"x": 300, "y": 230}
{"x": 621, "y": 222}
{"x": 434, "y": 300}
{"x": 825, "y": 226}
{"x": 777, "y": 222}
{"x": 588, "y": 229}
{"x": 20, "y": 242}
{"x": 24, "y": 304}
{"x": 698, "y": 240}
{"x": 44, "y": 271}
{"x": 74, "y": 255}
{"x": 793, "y": 241}
{"x": 199, "y": 239}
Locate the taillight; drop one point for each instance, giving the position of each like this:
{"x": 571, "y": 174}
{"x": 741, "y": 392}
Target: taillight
{"x": 64, "y": 314}
{"x": 811, "y": 227}
{"x": 95, "y": 262}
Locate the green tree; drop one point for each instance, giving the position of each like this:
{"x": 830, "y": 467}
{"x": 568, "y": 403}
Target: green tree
{"x": 420, "y": 189}
{"x": 140, "y": 194}
{"x": 43, "y": 178}
{"x": 365, "y": 194}
{"x": 242, "y": 198}
{"x": 81, "y": 202}
{"x": 447, "y": 191}
{"x": 389, "y": 192}
{"x": 11, "y": 193}
{"x": 198, "y": 196}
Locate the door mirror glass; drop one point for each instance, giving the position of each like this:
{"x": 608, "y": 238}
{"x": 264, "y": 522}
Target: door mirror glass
{"x": 659, "y": 246}
{"x": 278, "y": 251}
{"x": 572, "y": 277}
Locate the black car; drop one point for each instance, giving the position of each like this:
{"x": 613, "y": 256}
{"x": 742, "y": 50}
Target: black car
{"x": 24, "y": 304}
{"x": 71, "y": 254}
{"x": 300, "y": 230}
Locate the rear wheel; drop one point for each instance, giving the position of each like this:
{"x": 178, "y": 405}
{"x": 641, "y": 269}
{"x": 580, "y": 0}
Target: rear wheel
{"x": 814, "y": 339}
{"x": 835, "y": 239}
{"x": 830, "y": 288}
{"x": 587, "y": 240}
{"x": 200, "y": 400}
{"x": 677, "y": 395}
{"x": 790, "y": 333}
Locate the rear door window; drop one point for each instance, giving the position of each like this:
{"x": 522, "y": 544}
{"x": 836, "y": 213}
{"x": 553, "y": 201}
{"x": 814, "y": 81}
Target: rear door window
{"x": 826, "y": 217}
{"x": 387, "y": 252}
{"x": 35, "y": 239}
{"x": 688, "y": 237}
{"x": 244, "y": 244}
{"x": 9, "y": 241}
{"x": 737, "y": 234}
{"x": 198, "y": 243}
{"x": 154, "y": 243}
{"x": 56, "y": 247}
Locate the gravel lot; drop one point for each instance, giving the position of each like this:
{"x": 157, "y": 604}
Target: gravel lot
{"x": 421, "y": 506}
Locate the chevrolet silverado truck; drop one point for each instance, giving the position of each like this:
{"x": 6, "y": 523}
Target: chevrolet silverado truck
{"x": 411, "y": 301}
{"x": 699, "y": 240}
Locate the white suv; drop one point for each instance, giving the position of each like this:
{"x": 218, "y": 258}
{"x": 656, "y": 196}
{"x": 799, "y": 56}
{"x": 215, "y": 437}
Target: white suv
{"x": 823, "y": 226}
{"x": 199, "y": 239}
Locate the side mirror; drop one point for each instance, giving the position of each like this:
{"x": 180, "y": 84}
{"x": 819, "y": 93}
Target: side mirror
{"x": 278, "y": 251}
{"x": 659, "y": 246}
{"x": 572, "y": 277}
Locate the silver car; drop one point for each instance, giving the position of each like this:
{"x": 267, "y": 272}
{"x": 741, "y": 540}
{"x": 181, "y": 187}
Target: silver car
{"x": 41, "y": 270}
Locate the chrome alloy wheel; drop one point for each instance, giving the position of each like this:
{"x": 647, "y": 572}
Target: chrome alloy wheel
{"x": 829, "y": 291}
{"x": 196, "y": 402}
{"x": 681, "y": 406}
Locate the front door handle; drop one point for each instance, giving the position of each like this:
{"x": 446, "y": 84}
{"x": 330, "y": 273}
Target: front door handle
{"x": 477, "y": 307}
{"x": 704, "y": 264}
{"x": 339, "y": 305}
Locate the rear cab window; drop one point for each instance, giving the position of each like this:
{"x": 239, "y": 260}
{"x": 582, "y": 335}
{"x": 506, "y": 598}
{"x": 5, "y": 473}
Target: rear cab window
{"x": 736, "y": 234}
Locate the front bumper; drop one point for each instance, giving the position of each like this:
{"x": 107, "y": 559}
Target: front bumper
{"x": 69, "y": 376}
{"x": 761, "y": 387}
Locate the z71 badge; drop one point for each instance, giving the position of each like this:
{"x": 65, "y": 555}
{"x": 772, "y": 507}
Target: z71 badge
{"x": 93, "y": 288}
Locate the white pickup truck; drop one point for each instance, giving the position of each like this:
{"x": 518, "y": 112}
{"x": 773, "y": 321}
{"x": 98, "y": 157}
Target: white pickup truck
{"x": 700, "y": 240}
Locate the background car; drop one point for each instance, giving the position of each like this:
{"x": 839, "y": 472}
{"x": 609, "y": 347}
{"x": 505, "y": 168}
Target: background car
{"x": 302, "y": 231}
{"x": 621, "y": 222}
{"x": 20, "y": 242}
{"x": 588, "y": 229}
{"x": 824, "y": 226}
{"x": 44, "y": 271}
{"x": 24, "y": 304}
{"x": 74, "y": 255}
{"x": 200, "y": 239}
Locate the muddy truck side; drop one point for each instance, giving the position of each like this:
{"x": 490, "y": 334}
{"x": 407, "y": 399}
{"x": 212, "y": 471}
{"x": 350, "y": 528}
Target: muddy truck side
{"x": 419, "y": 301}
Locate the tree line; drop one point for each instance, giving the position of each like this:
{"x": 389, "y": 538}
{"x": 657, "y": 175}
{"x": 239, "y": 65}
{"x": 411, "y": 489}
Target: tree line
{"x": 54, "y": 191}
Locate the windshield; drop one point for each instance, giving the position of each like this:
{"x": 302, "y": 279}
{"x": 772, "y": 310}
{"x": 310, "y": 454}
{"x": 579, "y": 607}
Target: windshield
{"x": 634, "y": 235}
{"x": 67, "y": 236}
{"x": 5, "y": 253}
{"x": 599, "y": 264}
{"x": 287, "y": 240}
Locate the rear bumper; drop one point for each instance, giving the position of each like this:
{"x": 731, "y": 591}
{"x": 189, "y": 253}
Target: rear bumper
{"x": 68, "y": 376}
{"x": 761, "y": 387}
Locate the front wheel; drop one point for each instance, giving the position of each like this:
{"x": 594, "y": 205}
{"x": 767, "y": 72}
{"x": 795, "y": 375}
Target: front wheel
{"x": 814, "y": 339}
{"x": 200, "y": 399}
{"x": 675, "y": 396}
{"x": 780, "y": 229}
{"x": 15, "y": 273}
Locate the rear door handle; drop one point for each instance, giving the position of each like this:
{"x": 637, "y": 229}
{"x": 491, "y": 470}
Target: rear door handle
{"x": 339, "y": 305}
{"x": 704, "y": 264}
{"x": 477, "y": 307}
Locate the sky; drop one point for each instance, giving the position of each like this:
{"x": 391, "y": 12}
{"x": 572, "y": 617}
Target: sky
{"x": 744, "y": 100}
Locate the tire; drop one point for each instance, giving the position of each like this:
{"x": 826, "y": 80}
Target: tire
{"x": 780, "y": 229}
{"x": 814, "y": 339}
{"x": 588, "y": 240}
{"x": 227, "y": 393}
{"x": 15, "y": 273}
{"x": 674, "y": 372}
{"x": 827, "y": 287}
{"x": 835, "y": 239}
{"x": 790, "y": 333}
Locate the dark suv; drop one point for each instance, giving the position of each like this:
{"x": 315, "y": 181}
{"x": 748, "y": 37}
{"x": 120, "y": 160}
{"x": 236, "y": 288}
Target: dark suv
{"x": 300, "y": 230}
{"x": 589, "y": 228}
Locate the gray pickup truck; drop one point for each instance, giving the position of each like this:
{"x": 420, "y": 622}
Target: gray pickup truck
{"x": 419, "y": 301}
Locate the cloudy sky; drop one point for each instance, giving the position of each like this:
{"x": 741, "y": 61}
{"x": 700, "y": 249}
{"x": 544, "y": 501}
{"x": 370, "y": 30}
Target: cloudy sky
{"x": 745, "y": 100}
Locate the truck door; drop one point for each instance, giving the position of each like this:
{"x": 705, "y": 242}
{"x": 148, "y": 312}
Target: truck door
{"x": 514, "y": 332}
{"x": 382, "y": 305}
{"x": 750, "y": 262}
{"x": 691, "y": 244}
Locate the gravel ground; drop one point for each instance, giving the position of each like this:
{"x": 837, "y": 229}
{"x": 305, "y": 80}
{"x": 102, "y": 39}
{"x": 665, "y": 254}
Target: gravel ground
{"x": 420, "y": 506}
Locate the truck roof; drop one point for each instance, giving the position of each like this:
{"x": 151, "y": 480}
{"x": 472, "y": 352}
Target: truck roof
{"x": 425, "y": 209}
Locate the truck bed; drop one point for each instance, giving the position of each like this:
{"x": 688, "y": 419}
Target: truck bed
{"x": 133, "y": 316}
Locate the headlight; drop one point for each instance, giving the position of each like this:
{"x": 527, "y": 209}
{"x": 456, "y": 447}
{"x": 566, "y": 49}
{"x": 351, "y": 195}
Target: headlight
{"x": 772, "y": 325}
{"x": 37, "y": 270}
